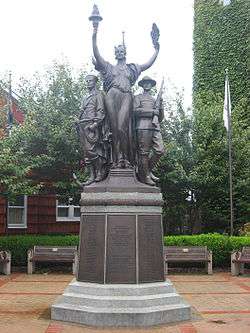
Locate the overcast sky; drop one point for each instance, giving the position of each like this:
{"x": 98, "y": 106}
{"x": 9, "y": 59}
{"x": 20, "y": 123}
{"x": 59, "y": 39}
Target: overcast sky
{"x": 36, "y": 32}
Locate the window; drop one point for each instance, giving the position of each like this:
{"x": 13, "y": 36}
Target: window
{"x": 17, "y": 212}
{"x": 67, "y": 210}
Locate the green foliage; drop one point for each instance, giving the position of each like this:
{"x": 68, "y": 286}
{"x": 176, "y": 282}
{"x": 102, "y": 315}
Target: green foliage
{"x": 19, "y": 245}
{"x": 221, "y": 40}
{"x": 241, "y": 160}
{"x": 210, "y": 172}
{"x": 14, "y": 169}
{"x": 220, "y": 245}
{"x": 175, "y": 166}
{"x": 42, "y": 154}
{"x": 210, "y": 152}
{"x": 195, "y": 166}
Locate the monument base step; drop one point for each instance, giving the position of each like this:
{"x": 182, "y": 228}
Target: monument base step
{"x": 106, "y": 305}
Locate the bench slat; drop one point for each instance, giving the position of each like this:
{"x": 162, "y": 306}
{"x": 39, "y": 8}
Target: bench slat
{"x": 246, "y": 260}
{"x": 54, "y": 253}
{"x": 52, "y": 259}
{"x": 187, "y": 260}
{"x": 186, "y": 254}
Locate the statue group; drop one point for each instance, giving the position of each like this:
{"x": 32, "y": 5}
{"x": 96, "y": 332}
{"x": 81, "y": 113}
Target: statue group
{"x": 116, "y": 128}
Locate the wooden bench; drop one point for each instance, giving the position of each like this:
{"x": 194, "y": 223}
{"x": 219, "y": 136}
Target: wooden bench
{"x": 5, "y": 262}
{"x": 187, "y": 254}
{"x": 239, "y": 259}
{"x": 56, "y": 254}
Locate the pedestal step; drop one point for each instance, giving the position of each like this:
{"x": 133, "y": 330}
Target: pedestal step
{"x": 120, "y": 301}
{"x": 144, "y": 316}
{"x": 120, "y": 305}
{"x": 120, "y": 289}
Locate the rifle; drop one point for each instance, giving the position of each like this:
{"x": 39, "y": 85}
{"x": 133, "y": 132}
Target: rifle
{"x": 158, "y": 104}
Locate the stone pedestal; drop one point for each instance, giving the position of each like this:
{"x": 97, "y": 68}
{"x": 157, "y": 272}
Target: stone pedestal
{"x": 144, "y": 304}
{"x": 121, "y": 244}
{"x": 120, "y": 276}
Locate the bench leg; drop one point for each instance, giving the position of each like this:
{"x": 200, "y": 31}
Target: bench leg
{"x": 6, "y": 268}
{"x": 209, "y": 267}
{"x": 209, "y": 264}
{"x": 242, "y": 268}
{"x": 235, "y": 269}
{"x": 166, "y": 268}
{"x": 31, "y": 266}
{"x": 74, "y": 268}
{"x": 75, "y": 264}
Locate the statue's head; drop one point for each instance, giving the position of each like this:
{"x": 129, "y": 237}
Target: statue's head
{"x": 91, "y": 80}
{"x": 147, "y": 83}
{"x": 120, "y": 52}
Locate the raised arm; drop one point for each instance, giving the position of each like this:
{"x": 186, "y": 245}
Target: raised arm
{"x": 155, "y": 33}
{"x": 150, "y": 62}
{"x": 98, "y": 58}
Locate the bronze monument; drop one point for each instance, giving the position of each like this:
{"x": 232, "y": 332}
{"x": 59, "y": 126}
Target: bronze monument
{"x": 120, "y": 276}
{"x": 117, "y": 83}
{"x": 123, "y": 164}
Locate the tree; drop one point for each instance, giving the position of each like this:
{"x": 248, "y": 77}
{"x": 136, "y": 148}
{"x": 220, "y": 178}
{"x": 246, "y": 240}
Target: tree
{"x": 45, "y": 149}
{"x": 221, "y": 38}
{"x": 210, "y": 172}
{"x": 194, "y": 169}
{"x": 175, "y": 167}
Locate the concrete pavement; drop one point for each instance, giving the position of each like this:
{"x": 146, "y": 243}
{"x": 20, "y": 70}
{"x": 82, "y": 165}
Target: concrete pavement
{"x": 220, "y": 302}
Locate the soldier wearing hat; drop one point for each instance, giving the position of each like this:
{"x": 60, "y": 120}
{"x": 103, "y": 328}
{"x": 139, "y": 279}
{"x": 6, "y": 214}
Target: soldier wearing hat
{"x": 92, "y": 129}
{"x": 148, "y": 113}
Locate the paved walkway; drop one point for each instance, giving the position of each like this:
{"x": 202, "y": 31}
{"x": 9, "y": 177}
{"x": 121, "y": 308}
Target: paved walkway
{"x": 220, "y": 302}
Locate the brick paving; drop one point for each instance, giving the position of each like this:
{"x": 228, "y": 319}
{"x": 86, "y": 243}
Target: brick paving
{"x": 220, "y": 303}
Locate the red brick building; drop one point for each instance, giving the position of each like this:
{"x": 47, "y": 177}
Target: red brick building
{"x": 38, "y": 214}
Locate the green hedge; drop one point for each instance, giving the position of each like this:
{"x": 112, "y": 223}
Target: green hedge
{"x": 219, "y": 244}
{"x": 19, "y": 244}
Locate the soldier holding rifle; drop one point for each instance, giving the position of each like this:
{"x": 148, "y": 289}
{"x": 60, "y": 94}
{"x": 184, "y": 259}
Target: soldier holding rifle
{"x": 148, "y": 114}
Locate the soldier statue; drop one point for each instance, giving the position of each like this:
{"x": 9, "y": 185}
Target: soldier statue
{"x": 92, "y": 129}
{"x": 148, "y": 113}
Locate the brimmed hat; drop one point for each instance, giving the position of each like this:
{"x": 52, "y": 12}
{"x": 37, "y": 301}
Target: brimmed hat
{"x": 146, "y": 79}
{"x": 92, "y": 75}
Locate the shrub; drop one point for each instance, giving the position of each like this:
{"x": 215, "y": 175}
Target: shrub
{"x": 220, "y": 245}
{"x": 19, "y": 244}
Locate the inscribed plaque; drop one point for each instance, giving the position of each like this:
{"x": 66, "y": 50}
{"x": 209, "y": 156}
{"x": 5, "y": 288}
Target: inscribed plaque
{"x": 121, "y": 249}
{"x": 92, "y": 243}
{"x": 151, "y": 265}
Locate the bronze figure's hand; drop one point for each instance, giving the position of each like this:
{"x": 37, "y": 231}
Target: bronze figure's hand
{"x": 93, "y": 127}
{"x": 95, "y": 28}
{"x": 155, "y": 34}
